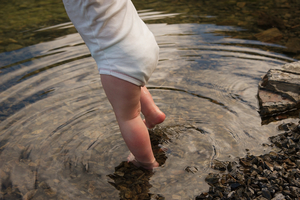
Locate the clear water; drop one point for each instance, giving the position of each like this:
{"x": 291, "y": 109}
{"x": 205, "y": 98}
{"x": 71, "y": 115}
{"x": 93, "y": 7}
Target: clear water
{"x": 58, "y": 131}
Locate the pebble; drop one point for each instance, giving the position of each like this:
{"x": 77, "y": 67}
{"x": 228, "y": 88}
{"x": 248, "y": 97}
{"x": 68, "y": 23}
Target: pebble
{"x": 272, "y": 176}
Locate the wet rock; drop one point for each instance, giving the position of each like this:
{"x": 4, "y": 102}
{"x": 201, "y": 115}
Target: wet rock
{"x": 133, "y": 182}
{"x": 261, "y": 178}
{"x": 269, "y": 166}
{"x": 212, "y": 179}
{"x": 271, "y": 35}
{"x": 293, "y": 45}
{"x": 292, "y": 67}
{"x": 279, "y": 196}
{"x": 192, "y": 170}
{"x": 297, "y": 162}
{"x": 283, "y": 82}
{"x": 260, "y": 198}
{"x": 245, "y": 163}
{"x": 241, "y": 4}
{"x": 12, "y": 47}
{"x": 219, "y": 165}
{"x": 271, "y": 103}
{"x": 266, "y": 193}
{"x": 266, "y": 20}
{"x": 235, "y": 185}
{"x": 271, "y": 176}
{"x": 231, "y": 166}
{"x": 29, "y": 195}
{"x": 279, "y": 90}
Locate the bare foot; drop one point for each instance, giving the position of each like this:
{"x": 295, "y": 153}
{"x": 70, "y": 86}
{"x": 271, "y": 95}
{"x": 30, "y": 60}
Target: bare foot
{"x": 148, "y": 166}
{"x": 153, "y": 115}
{"x": 154, "y": 118}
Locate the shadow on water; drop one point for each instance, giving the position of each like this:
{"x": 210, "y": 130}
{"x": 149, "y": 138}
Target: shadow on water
{"x": 58, "y": 135}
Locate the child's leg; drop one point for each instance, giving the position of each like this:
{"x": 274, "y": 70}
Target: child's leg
{"x": 153, "y": 115}
{"x": 125, "y": 100}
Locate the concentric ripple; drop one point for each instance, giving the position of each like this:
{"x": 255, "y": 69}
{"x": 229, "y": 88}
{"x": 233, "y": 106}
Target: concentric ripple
{"x": 57, "y": 127}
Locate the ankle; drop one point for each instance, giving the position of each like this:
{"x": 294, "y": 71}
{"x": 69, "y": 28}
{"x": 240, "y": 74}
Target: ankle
{"x": 146, "y": 165}
{"x": 149, "y": 166}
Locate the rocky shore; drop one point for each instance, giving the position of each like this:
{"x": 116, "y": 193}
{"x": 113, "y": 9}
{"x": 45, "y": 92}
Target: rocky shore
{"x": 274, "y": 176}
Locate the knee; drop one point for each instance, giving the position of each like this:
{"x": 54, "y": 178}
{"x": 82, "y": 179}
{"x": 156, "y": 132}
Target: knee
{"x": 128, "y": 113}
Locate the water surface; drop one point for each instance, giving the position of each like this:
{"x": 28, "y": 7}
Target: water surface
{"x": 58, "y": 135}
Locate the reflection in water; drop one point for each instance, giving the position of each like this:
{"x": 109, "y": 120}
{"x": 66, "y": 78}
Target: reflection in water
{"x": 59, "y": 138}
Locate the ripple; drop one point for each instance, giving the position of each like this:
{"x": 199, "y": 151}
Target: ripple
{"x": 58, "y": 128}
{"x": 192, "y": 93}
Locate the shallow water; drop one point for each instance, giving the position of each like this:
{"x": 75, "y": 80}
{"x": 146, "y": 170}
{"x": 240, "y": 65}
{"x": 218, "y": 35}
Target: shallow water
{"x": 58, "y": 131}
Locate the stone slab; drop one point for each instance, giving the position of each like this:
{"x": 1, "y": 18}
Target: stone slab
{"x": 293, "y": 67}
{"x": 271, "y": 103}
{"x": 279, "y": 90}
{"x": 285, "y": 83}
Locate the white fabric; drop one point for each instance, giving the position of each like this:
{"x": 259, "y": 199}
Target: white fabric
{"x": 119, "y": 41}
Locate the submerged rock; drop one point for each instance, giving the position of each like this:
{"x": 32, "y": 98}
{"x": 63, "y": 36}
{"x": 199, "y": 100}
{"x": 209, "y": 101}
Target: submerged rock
{"x": 219, "y": 165}
{"x": 293, "y": 45}
{"x": 271, "y": 35}
{"x": 133, "y": 182}
{"x": 279, "y": 90}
